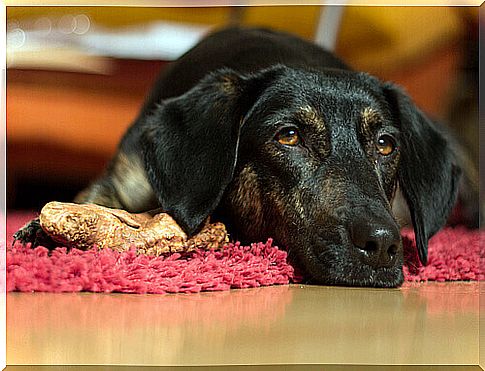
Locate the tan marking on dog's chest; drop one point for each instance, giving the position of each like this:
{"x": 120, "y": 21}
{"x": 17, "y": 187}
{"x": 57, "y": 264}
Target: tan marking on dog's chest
{"x": 246, "y": 198}
{"x": 229, "y": 85}
{"x": 299, "y": 205}
{"x": 131, "y": 182}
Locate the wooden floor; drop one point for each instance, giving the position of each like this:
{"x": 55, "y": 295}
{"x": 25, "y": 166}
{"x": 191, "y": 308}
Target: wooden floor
{"x": 429, "y": 323}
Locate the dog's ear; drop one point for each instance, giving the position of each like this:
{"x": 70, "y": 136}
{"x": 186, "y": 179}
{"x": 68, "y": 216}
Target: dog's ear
{"x": 190, "y": 142}
{"x": 428, "y": 174}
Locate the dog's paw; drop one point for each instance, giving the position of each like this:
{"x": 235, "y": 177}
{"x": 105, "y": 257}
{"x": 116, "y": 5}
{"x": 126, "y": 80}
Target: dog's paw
{"x": 33, "y": 233}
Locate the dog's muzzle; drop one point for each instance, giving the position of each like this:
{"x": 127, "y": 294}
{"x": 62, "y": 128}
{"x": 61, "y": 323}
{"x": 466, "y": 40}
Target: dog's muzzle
{"x": 359, "y": 247}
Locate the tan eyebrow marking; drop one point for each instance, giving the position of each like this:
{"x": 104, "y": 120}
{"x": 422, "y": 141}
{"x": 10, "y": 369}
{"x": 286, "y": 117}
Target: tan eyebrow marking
{"x": 370, "y": 117}
{"x": 309, "y": 114}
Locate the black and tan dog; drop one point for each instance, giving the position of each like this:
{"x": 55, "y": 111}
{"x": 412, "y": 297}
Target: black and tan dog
{"x": 278, "y": 138}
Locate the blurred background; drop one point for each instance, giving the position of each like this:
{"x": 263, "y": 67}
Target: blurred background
{"x": 76, "y": 76}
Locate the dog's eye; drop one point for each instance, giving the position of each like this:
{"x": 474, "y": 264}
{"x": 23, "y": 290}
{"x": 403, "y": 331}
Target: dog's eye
{"x": 288, "y": 137}
{"x": 385, "y": 145}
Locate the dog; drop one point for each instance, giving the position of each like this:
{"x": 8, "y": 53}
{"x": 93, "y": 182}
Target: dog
{"x": 277, "y": 137}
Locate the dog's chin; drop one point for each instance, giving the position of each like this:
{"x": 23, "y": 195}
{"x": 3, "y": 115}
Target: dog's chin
{"x": 366, "y": 276}
{"x": 340, "y": 269}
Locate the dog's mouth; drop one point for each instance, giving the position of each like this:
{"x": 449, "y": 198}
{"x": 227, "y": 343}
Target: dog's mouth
{"x": 334, "y": 264}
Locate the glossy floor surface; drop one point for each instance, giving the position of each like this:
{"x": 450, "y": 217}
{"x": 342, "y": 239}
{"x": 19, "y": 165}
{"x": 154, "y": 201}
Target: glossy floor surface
{"x": 418, "y": 324}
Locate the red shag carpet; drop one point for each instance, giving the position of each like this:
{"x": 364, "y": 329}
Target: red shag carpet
{"x": 454, "y": 254}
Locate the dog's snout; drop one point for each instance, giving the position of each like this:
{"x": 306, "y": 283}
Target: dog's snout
{"x": 378, "y": 243}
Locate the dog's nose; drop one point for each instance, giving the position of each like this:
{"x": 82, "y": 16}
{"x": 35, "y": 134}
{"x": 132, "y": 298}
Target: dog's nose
{"x": 378, "y": 243}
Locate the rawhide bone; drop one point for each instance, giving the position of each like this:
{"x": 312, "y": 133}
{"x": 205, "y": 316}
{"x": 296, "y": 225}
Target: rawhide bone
{"x": 83, "y": 225}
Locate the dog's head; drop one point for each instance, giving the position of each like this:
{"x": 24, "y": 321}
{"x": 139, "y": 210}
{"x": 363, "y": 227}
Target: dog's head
{"x": 309, "y": 158}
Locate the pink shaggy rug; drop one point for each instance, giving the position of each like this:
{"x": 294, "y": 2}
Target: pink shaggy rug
{"x": 454, "y": 254}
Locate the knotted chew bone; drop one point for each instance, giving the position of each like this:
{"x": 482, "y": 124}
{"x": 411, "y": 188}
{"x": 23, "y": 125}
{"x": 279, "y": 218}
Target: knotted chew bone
{"x": 83, "y": 225}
